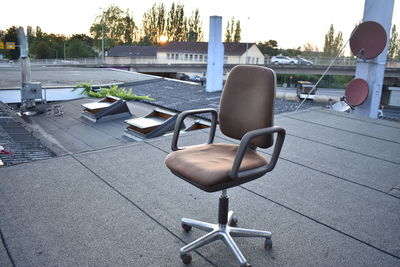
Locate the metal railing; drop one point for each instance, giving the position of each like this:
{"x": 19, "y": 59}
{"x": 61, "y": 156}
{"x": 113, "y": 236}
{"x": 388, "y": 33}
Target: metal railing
{"x": 321, "y": 61}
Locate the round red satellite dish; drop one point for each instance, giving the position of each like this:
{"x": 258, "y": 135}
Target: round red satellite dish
{"x": 368, "y": 40}
{"x": 356, "y": 92}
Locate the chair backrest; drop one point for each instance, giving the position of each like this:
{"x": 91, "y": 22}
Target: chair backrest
{"x": 247, "y": 103}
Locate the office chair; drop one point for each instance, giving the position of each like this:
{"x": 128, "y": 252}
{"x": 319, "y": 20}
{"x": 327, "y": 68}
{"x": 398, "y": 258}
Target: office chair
{"x": 246, "y": 114}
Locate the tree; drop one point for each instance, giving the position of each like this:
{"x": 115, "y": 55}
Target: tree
{"x": 269, "y": 47}
{"x": 195, "y": 32}
{"x": 43, "y": 50}
{"x": 11, "y": 35}
{"x": 233, "y": 31}
{"x": 309, "y": 49}
{"x": 77, "y": 48}
{"x": 153, "y": 24}
{"x": 394, "y": 44}
{"x": 177, "y": 28}
{"x": 333, "y": 43}
{"x": 236, "y": 35}
{"x": 118, "y": 25}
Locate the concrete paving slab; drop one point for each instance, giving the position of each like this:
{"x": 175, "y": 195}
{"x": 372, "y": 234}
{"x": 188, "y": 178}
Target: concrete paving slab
{"x": 378, "y": 174}
{"x": 58, "y": 213}
{"x": 366, "y": 127}
{"x": 69, "y": 144}
{"x": 299, "y": 240}
{"x": 370, "y": 146}
{"x": 332, "y": 201}
{"x": 96, "y": 139}
{"x": 354, "y": 116}
{"x": 357, "y": 211}
{"x": 4, "y": 259}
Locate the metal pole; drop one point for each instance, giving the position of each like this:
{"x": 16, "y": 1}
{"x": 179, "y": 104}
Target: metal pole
{"x": 247, "y": 44}
{"x": 102, "y": 43}
{"x": 65, "y": 58}
{"x": 215, "y": 60}
{"x": 102, "y": 39}
{"x": 373, "y": 70}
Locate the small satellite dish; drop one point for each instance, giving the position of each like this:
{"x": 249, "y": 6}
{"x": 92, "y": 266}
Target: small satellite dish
{"x": 356, "y": 92}
{"x": 368, "y": 40}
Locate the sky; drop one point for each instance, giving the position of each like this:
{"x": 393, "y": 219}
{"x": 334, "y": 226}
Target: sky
{"x": 290, "y": 22}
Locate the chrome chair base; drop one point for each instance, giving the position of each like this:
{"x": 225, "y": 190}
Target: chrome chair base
{"x": 223, "y": 232}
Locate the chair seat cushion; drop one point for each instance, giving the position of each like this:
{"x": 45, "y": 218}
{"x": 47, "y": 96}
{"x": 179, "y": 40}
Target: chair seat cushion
{"x": 209, "y": 165}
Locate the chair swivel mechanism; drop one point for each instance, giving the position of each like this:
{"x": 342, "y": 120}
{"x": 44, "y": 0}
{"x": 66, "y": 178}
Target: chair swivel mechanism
{"x": 246, "y": 114}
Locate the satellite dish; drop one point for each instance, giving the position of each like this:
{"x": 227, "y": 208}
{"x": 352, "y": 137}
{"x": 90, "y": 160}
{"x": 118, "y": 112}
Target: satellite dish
{"x": 368, "y": 40}
{"x": 356, "y": 92}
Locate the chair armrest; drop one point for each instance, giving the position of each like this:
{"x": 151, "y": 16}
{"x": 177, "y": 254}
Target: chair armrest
{"x": 245, "y": 143}
{"x": 181, "y": 118}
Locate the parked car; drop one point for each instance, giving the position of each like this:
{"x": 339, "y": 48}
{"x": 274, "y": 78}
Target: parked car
{"x": 283, "y": 60}
{"x": 184, "y": 77}
{"x": 195, "y": 78}
{"x": 303, "y": 61}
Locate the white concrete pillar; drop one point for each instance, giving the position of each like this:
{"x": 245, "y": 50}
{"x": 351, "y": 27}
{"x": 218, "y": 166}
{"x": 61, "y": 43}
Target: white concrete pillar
{"x": 215, "y": 61}
{"x": 373, "y": 70}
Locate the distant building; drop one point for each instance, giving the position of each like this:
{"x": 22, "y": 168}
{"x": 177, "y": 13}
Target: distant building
{"x": 183, "y": 52}
{"x": 124, "y": 54}
{"x": 196, "y": 52}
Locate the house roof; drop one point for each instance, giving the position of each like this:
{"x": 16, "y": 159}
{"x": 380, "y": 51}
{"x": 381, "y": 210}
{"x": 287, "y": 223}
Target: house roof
{"x": 201, "y": 47}
{"x": 132, "y": 51}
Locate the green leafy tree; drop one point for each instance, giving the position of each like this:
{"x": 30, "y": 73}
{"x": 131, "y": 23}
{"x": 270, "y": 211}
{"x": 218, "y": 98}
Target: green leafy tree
{"x": 82, "y": 37}
{"x": 76, "y": 48}
{"x": 118, "y": 25}
{"x": 177, "y": 28}
{"x": 233, "y": 31}
{"x": 43, "y": 50}
{"x": 333, "y": 43}
{"x": 238, "y": 30}
{"x": 394, "y": 44}
{"x": 268, "y": 47}
{"x": 195, "y": 31}
{"x": 11, "y": 35}
{"x": 153, "y": 25}
{"x": 229, "y": 30}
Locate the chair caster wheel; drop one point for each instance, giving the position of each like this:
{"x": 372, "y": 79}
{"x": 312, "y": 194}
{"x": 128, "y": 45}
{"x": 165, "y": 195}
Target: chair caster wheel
{"x": 234, "y": 221}
{"x": 246, "y": 265}
{"x": 186, "y": 227}
{"x": 186, "y": 258}
{"x": 268, "y": 243}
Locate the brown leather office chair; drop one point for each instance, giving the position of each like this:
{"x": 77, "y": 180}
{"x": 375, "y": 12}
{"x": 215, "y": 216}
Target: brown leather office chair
{"x": 246, "y": 114}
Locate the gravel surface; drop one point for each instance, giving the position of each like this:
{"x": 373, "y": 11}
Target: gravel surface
{"x": 179, "y": 96}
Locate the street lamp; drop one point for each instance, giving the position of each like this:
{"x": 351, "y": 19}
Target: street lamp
{"x": 102, "y": 36}
{"x": 247, "y": 44}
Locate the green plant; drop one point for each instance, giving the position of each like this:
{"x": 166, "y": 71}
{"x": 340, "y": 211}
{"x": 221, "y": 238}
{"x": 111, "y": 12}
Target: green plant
{"x": 113, "y": 90}
{"x": 87, "y": 88}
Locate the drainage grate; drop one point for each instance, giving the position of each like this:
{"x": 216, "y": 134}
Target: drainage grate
{"x": 23, "y": 146}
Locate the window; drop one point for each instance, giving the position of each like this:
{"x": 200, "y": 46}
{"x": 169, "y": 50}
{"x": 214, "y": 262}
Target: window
{"x": 195, "y": 57}
{"x": 200, "y": 57}
{"x": 176, "y": 56}
{"x": 168, "y": 56}
{"x": 191, "y": 57}
{"x": 186, "y": 57}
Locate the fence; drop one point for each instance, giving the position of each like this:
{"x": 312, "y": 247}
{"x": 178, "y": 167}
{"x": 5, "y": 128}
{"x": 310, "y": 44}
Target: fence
{"x": 321, "y": 61}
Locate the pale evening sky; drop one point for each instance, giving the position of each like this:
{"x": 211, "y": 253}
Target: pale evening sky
{"x": 292, "y": 23}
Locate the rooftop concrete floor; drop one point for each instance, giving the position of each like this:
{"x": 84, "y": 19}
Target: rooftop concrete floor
{"x": 332, "y": 200}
